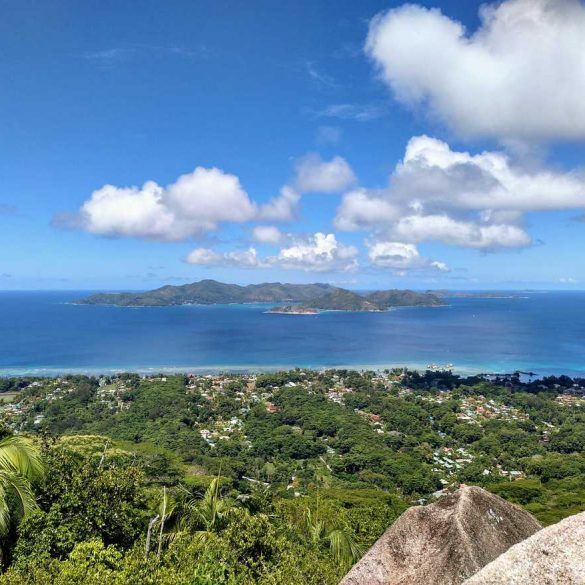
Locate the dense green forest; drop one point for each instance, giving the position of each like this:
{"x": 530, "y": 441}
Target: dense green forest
{"x": 269, "y": 478}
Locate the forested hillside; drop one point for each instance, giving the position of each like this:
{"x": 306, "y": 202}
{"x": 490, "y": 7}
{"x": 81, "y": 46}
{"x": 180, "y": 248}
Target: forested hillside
{"x": 272, "y": 478}
{"x": 317, "y": 295}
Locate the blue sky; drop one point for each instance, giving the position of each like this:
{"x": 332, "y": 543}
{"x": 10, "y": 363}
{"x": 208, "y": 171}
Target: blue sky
{"x": 378, "y": 148}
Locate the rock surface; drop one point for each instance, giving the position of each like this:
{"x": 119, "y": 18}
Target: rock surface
{"x": 444, "y": 543}
{"x": 552, "y": 556}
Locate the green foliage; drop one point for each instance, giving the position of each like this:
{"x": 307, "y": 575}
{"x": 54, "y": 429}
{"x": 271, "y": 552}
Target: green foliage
{"x": 207, "y": 514}
{"x": 555, "y": 465}
{"x": 570, "y": 438}
{"x": 549, "y": 502}
{"x": 341, "y": 543}
{"x": 195, "y": 480}
{"x": 522, "y": 491}
{"x": 20, "y": 467}
{"x": 81, "y": 498}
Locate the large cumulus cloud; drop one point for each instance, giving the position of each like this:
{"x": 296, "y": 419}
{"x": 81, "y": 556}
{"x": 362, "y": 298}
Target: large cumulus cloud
{"x": 196, "y": 203}
{"x": 477, "y": 201}
{"x": 521, "y": 75}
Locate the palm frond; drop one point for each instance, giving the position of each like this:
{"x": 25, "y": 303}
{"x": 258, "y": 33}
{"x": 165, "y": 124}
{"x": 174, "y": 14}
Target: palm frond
{"x": 15, "y": 492}
{"x": 211, "y": 508}
{"x": 20, "y": 464}
{"x": 20, "y": 454}
{"x": 202, "y": 536}
{"x": 314, "y": 526}
{"x": 4, "y": 510}
{"x": 20, "y": 489}
{"x": 343, "y": 547}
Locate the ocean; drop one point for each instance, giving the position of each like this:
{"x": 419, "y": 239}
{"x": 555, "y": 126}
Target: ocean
{"x": 41, "y": 333}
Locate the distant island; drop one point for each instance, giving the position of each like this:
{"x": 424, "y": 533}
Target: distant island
{"x": 306, "y": 298}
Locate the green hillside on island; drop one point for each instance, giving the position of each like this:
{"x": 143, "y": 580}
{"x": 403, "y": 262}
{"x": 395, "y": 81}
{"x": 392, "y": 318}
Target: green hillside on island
{"x": 345, "y": 300}
{"x": 342, "y": 300}
{"x": 211, "y": 292}
{"x": 385, "y": 299}
{"x": 317, "y": 296}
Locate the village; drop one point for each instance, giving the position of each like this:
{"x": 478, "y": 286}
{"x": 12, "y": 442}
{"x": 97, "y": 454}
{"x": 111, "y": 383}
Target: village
{"x": 26, "y": 410}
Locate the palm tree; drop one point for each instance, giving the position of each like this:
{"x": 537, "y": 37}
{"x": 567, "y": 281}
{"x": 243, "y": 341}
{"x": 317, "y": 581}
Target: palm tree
{"x": 210, "y": 512}
{"x": 341, "y": 544}
{"x": 199, "y": 517}
{"x": 20, "y": 466}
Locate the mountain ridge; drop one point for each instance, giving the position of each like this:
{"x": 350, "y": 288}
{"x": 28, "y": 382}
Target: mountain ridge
{"x": 320, "y": 296}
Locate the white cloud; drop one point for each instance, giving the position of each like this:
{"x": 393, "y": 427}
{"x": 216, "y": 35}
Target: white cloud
{"x": 439, "y": 177}
{"x": 476, "y": 201}
{"x": 360, "y": 209}
{"x": 321, "y": 253}
{"x": 521, "y": 75}
{"x": 210, "y": 196}
{"x": 196, "y": 203}
{"x": 318, "y": 253}
{"x": 238, "y": 258}
{"x": 281, "y": 208}
{"x": 129, "y": 212}
{"x": 244, "y": 258}
{"x": 267, "y": 234}
{"x": 313, "y": 174}
{"x": 204, "y": 257}
{"x": 440, "y": 266}
{"x": 401, "y": 256}
{"x": 442, "y": 228}
{"x": 393, "y": 255}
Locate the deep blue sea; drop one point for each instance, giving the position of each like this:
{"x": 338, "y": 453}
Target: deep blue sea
{"x": 41, "y": 333}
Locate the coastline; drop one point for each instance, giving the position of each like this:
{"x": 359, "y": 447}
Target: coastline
{"x": 462, "y": 370}
{"x": 255, "y": 304}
